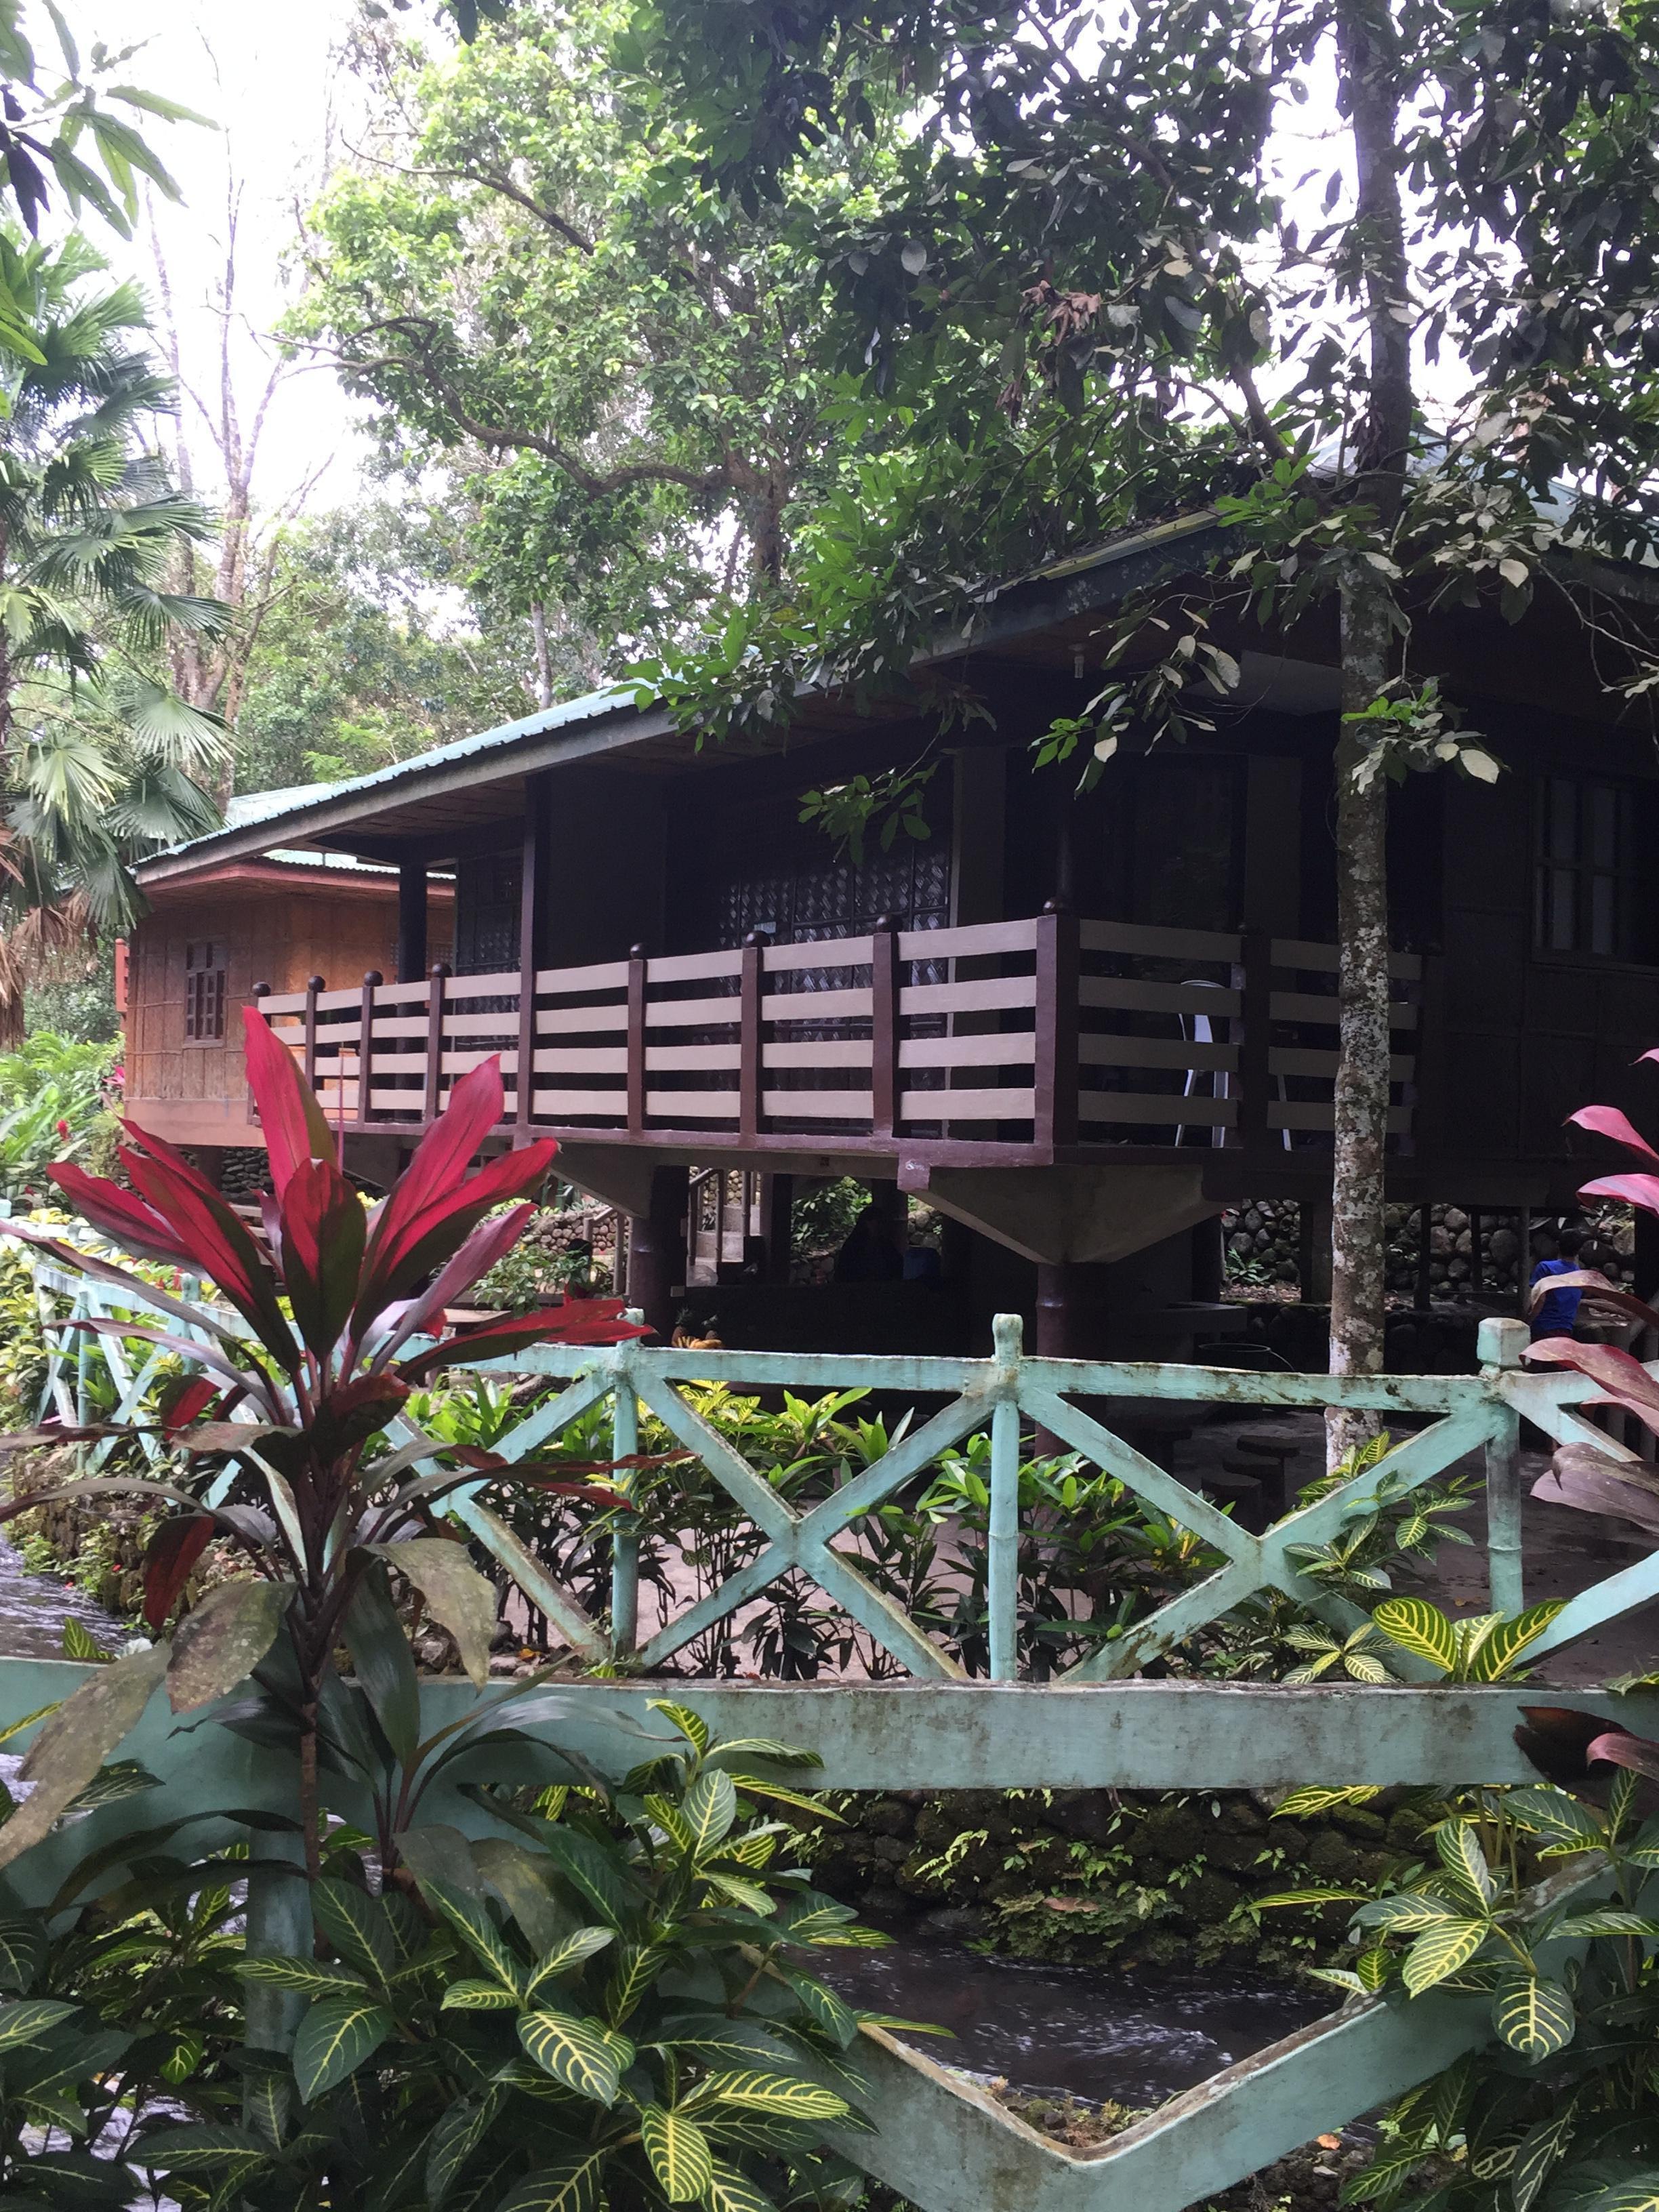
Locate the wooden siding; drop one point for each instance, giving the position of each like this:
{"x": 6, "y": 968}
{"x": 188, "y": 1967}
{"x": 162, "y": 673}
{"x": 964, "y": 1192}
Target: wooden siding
{"x": 279, "y": 934}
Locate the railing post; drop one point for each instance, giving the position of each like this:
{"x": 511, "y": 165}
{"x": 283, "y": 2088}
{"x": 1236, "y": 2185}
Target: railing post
{"x": 1253, "y": 980}
{"x": 625, "y": 1539}
{"x": 636, "y": 976}
{"x": 372, "y": 982}
{"x": 260, "y": 991}
{"x": 749, "y": 1039}
{"x": 432, "y": 1088}
{"x": 1499, "y": 1344}
{"x": 1056, "y": 1071}
{"x": 308, "y": 1034}
{"x": 1002, "y": 1549}
{"x": 884, "y": 989}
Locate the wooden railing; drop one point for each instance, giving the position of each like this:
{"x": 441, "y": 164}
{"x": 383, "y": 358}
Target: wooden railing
{"x": 1033, "y": 1036}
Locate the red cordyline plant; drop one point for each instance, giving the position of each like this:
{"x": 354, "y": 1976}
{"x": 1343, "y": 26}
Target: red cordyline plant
{"x": 1584, "y": 1475}
{"x": 336, "y": 1319}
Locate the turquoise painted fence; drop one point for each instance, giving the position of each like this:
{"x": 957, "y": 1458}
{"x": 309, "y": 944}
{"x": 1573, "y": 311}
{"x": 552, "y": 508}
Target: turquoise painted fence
{"x": 944, "y": 2144}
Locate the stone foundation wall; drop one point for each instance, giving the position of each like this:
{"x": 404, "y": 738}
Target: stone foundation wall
{"x": 1262, "y": 1243}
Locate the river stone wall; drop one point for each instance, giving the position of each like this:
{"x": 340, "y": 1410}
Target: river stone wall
{"x": 1143, "y": 1878}
{"x": 1262, "y": 1243}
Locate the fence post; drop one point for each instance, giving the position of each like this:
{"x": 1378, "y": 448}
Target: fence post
{"x": 1056, "y": 1073}
{"x": 884, "y": 1028}
{"x": 749, "y": 1040}
{"x": 625, "y": 1540}
{"x": 635, "y": 1075}
{"x": 1002, "y": 1550}
{"x": 1498, "y": 1345}
{"x": 371, "y": 982}
{"x": 433, "y": 1089}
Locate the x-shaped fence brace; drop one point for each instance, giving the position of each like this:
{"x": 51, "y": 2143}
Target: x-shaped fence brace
{"x": 1474, "y": 1412}
{"x": 943, "y": 2143}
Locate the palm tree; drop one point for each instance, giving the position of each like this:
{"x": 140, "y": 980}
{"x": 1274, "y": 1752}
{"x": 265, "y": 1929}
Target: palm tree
{"x": 99, "y": 761}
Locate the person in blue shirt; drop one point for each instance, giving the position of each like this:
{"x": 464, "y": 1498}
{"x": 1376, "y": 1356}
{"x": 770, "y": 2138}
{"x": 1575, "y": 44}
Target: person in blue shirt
{"x": 1558, "y": 1310}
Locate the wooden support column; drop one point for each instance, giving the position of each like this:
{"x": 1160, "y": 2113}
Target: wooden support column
{"x": 777, "y": 1206}
{"x": 1253, "y": 980}
{"x": 1070, "y": 1310}
{"x": 411, "y": 920}
{"x": 656, "y": 1250}
{"x": 1056, "y": 1075}
{"x": 884, "y": 1028}
{"x": 532, "y": 913}
{"x": 1314, "y": 1255}
{"x": 1645, "y": 1255}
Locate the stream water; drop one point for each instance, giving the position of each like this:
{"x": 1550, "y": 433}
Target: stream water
{"x": 1130, "y": 2039}
{"x": 33, "y": 1608}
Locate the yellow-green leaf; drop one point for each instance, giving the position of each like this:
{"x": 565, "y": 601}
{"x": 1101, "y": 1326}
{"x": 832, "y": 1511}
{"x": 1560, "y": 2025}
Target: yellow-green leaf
{"x": 1301, "y": 1803}
{"x": 1533, "y": 2015}
{"x": 1440, "y": 1951}
{"x": 1465, "y": 1862}
{"x": 785, "y": 2095}
{"x": 731, "y": 2191}
{"x": 708, "y": 1809}
{"x": 478, "y": 1997}
{"x": 337, "y": 2035}
{"x": 1419, "y": 1627}
{"x": 571, "y": 2186}
{"x": 567, "y": 1957}
{"x": 679, "y": 2155}
{"x": 1506, "y": 1640}
{"x": 574, "y": 2051}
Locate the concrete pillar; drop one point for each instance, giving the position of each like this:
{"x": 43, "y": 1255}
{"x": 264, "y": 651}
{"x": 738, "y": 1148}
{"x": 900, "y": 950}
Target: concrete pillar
{"x": 656, "y": 1251}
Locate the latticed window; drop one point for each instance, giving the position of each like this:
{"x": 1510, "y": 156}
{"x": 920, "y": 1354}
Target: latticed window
{"x": 1585, "y": 887}
{"x": 205, "y": 991}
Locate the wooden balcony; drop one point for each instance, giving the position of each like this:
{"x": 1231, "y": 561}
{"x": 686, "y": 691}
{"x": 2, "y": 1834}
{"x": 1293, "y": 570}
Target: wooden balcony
{"x": 1051, "y": 1039}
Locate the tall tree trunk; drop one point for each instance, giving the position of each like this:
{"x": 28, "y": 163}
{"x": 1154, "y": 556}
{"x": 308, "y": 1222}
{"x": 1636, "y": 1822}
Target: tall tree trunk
{"x": 1365, "y": 48}
{"x": 543, "y": 661}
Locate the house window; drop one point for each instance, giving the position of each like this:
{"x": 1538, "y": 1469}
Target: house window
{"x": 205, "y": 991}
{"x": 1584, "y": 883}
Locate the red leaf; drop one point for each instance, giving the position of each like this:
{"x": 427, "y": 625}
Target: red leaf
{"x": 1608, "y": 1121}
{"x": 118, "y": 1215}
{"x": 173, "y": 1551}
{"x": 187, "y": 1403}
{"x": 595, "y": 1320}
{"x": 429, "y": 1238}
{"x": 478, "y": 1255}
{"x": 439, "y": 1164}
{"x": 1594, "y": 1285}
{"x": 295, "y": 1127}
{"x": 1623, "y": 1377}
{"x": 218, "y": 1245}
{"x": 1640, "y": 1190}
{"x": 1634, "y": 1752}
{"x": 322, "y": 1248}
